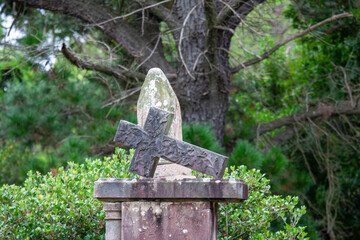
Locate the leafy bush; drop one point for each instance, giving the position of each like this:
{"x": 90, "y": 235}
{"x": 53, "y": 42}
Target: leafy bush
{"x": 15, "y": 162}
{"x": 61, "y": 205}
{"x": 263, "y": 215}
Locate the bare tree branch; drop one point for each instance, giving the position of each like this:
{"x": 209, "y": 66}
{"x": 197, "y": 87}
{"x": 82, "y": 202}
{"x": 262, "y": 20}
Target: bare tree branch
{"x": 324, "y": 111}
{"x": 232, "y": 18}
{"x": 239, "y": 40}
{"x": 181, "y": 38}
{"x": 346, "y": 83}
{"x": 120, "y": 74}
{"x": 343, "y": 137}
{"x": 152, "y": 52}
{"x": 228, "y": 10}
{"x": 131, "y": 13}
{"x": 283, "y": 136}
{"x": 163, "y": 13}
{"x": 240, "y": 15}
{"x": 119, "y": 30}
{"x": 295, "y": 36}
{"x": 116, "y": 101}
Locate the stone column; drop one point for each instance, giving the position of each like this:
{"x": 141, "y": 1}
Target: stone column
{"x": 113, "y": 220}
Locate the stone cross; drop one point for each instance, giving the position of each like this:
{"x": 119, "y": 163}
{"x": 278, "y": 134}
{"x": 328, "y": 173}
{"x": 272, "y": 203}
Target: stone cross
{"x": 151, "y": 143}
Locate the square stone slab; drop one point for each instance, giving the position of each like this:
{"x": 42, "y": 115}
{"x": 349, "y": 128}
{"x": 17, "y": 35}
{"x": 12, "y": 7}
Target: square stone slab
{"x": 174, "y": 190}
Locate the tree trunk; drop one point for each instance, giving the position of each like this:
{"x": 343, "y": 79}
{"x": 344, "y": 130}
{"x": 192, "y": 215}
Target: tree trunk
{"x": 203, "y": 75}
{"x": 203, "y": 72}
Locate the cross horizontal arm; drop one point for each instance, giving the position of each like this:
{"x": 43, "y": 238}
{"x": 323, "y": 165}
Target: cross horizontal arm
{"x": 129, "y": 134}
{"x": 193, "y": 157}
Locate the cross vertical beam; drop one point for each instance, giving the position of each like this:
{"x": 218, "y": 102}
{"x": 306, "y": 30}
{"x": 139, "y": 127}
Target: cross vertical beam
{"x": 147, "y": 142}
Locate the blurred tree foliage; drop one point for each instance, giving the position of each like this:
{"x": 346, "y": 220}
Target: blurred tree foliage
{"x": 16, "y": 161}
{"x": 315, "y": 72}
{"x": 53, "y": 112}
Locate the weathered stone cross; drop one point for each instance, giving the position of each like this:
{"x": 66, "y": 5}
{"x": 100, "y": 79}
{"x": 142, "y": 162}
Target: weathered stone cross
{"x": 151, "y": 143}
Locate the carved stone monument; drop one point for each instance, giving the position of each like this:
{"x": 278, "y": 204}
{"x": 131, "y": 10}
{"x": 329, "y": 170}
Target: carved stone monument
{"x": 157, "y": 92}
{"x": 165, "y": 207}
{"x": 151, "y": 143}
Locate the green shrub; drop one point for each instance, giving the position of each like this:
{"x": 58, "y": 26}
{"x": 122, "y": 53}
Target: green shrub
{"x": 61, "y": 205}
{"x": 15, "y": 162}
{"x": 263, "y": 215}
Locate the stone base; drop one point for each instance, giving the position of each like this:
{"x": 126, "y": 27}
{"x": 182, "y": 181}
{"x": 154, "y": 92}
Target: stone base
{"x": 159, "y": 209}
{"x": 169, "y": 220}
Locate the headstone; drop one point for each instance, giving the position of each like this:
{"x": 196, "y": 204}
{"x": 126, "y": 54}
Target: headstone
{"x": 165, "y": 207}
{"x": 157, "y": 92}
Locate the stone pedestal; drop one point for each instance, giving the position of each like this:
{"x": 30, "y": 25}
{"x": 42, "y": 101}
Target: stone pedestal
{"x": 169, "y": 220}
{"x": 174, "y": 209}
